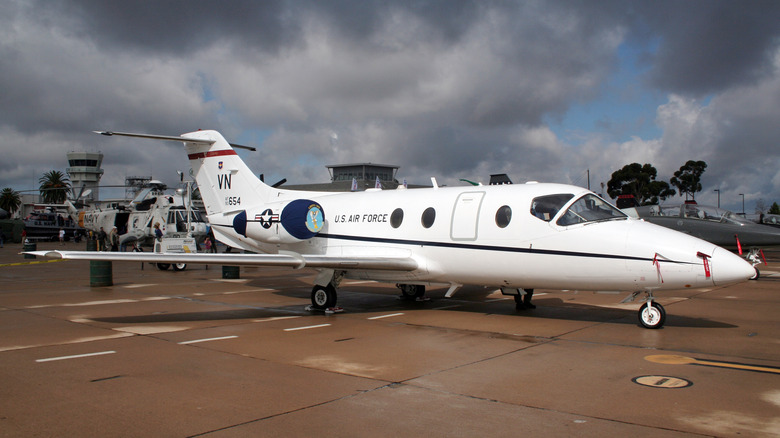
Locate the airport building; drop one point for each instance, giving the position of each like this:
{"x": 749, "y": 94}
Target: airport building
{"x": 364, "y": 174}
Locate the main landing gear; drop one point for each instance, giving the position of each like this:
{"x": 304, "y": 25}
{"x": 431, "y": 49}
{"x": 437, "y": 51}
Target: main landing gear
{"x": 176, "y": 266}
{"x": 411, "y": 291}
{"x": 324, "y": 297}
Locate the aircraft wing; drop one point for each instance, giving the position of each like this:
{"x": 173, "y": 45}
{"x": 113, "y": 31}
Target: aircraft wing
{"x": 290, "y": 259}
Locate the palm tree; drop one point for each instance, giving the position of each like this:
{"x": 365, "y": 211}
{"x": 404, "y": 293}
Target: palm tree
{"x": 10, "y": 200}
{"x": 54, "y": 187}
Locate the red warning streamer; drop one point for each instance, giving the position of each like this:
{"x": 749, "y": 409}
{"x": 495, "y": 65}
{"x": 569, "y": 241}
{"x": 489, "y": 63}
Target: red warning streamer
{"x": 706, "y": 260}
{"x": 739, "y": 245}
{"x": 658, "y": 267}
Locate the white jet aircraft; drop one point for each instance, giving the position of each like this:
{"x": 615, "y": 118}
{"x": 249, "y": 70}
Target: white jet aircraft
{"x": 514, "y": 237}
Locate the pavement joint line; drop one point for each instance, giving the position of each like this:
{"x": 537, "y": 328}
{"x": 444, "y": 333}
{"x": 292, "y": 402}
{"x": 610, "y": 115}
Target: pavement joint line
{"x": 196, "y": 341}
{"x": 75, "y": 356}
{"x": 292, "y": 329}
{"x": 390, "y": 315}
{"x": 275, "y": 318}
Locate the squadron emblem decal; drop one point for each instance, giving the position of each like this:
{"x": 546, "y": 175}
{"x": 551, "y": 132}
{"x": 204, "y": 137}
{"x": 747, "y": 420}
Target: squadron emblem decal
{"x": 220, "y": 165}
{"x": 314, "y": 219}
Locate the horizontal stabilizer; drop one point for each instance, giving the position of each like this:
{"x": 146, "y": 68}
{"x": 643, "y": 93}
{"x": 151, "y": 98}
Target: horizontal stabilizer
{"x": 288, "y": 259}
{"x": 170, "y": 138}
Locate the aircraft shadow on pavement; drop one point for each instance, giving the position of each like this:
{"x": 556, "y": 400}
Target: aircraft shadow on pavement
{"x": 547, "y": 308}
{"x": 213, "y": 315}
{"x": 381, "y": 298}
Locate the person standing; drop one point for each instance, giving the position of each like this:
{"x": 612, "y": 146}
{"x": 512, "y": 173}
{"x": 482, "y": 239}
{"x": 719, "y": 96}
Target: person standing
{"x": 62, "y": 237}
{"x": 113, "y": 238}
{"x": 101, "y": 239}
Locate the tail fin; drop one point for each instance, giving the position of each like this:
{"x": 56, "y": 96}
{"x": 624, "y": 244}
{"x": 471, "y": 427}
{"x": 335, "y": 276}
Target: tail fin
{"x": 226, "y": 184}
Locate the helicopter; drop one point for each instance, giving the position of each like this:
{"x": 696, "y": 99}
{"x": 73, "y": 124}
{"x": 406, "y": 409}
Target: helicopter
{"x": 136, "y": 221}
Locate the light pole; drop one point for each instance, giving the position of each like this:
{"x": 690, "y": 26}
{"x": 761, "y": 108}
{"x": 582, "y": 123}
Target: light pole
{"x": 718, "y": 190}
{"x": 743, "y": 204}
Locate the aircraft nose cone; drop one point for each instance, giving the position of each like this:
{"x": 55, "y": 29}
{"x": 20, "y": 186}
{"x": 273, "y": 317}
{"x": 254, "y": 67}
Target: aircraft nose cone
{"x": 730, "y": 268}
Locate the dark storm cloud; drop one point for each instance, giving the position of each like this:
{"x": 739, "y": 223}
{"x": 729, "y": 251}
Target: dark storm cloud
{"x": 448, "y": 88}
{"x": 176, "y": 28}
{"x": 709, "y": 45}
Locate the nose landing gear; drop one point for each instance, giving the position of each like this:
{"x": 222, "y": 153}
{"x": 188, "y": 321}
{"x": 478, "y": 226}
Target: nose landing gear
{"x": 652, "y": 315}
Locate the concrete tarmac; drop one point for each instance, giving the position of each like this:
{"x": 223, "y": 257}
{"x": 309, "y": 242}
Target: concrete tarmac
{"x": 179, "y": 354}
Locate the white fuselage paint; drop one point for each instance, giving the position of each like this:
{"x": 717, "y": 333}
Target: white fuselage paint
{"x": 464, "y": 245}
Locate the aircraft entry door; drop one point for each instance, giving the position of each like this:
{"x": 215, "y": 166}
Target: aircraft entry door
{"x": 465, "y": 216}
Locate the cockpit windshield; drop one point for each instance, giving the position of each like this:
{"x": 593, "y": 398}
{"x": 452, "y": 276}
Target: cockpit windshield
{"x": 546, "y": 207}
{"x": 709, "y": 213}
{"x": 590, "y": 208}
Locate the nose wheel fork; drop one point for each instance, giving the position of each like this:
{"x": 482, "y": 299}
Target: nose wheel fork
{"x": 651, "y": 315}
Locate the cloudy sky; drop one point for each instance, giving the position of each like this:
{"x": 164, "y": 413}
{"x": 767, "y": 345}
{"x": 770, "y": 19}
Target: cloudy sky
{"x": 540, "y": 90}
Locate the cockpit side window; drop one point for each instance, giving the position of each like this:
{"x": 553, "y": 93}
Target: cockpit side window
{"x": 590, "y": 208}
{"x": 546, "y": 207}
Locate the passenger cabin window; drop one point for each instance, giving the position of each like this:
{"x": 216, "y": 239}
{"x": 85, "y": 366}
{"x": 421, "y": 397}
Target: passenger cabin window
{"x": 428, "y": 217}
{"x": 590, "y": 208}
{"x": 546, "y": 207}
{"x": 396, "y": 218}
{"x": 503, "y": 216}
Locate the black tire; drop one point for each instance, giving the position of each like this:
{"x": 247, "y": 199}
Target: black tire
{"x": 323, "y": 297}
{"x": 179, "y": 266}
{"x": 652, "y": 315}
{"x": 163, "y": 266}
{"x": 412, "y": 291}
{"x": 757, "y": 276}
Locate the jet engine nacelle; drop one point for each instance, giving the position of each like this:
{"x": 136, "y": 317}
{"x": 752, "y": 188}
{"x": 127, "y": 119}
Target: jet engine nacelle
{"x": 282, "y": 222}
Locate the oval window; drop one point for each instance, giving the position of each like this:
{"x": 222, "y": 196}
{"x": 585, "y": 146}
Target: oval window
{"x": 428, "y": 216}
{"x": 503, "y": 216}
{"x": 396, "y": 218}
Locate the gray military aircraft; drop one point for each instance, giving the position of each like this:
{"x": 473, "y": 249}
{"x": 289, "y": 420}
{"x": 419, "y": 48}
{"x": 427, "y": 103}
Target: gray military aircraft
{"x": 721, "y": 227}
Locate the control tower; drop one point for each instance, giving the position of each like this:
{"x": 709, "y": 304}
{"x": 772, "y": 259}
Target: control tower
{"x": 84, "y": 169}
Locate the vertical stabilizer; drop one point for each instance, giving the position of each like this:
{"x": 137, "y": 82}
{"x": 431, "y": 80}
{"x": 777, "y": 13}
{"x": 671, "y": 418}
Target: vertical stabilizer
{"x": 226, "y": 183}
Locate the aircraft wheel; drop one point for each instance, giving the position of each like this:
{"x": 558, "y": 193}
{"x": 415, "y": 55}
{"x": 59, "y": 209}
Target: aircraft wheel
{"x": 179, "y": 266}
{"x": 412, "y": 291}
{"x": 323, "y": 297}
{"x": 163, "y": 266}
{"x": 652, "y": 315}
{"x": 758, "y": 274}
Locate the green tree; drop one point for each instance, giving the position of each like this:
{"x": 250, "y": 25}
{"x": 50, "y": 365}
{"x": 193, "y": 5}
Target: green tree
{"x": 774, "y": 209}
{"x": 639, "y": 180}
{"x": 688, "y": 178}
{"x": 54, "y": 187}
{"x": 10, "y": 200}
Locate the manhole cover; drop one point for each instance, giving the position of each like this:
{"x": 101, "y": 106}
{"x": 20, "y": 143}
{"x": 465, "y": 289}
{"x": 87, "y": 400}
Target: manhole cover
{"x": 662, "y": 382}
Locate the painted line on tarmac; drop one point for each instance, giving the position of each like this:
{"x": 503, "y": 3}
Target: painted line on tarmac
{"x": 196, "y": 341}
{"x": 386, "y": 316}
{"x": 306, "y": 327}
{"x": 77, "y": 356}
{"x": 671, "y": 359}
{"x": 33, "y": 263}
